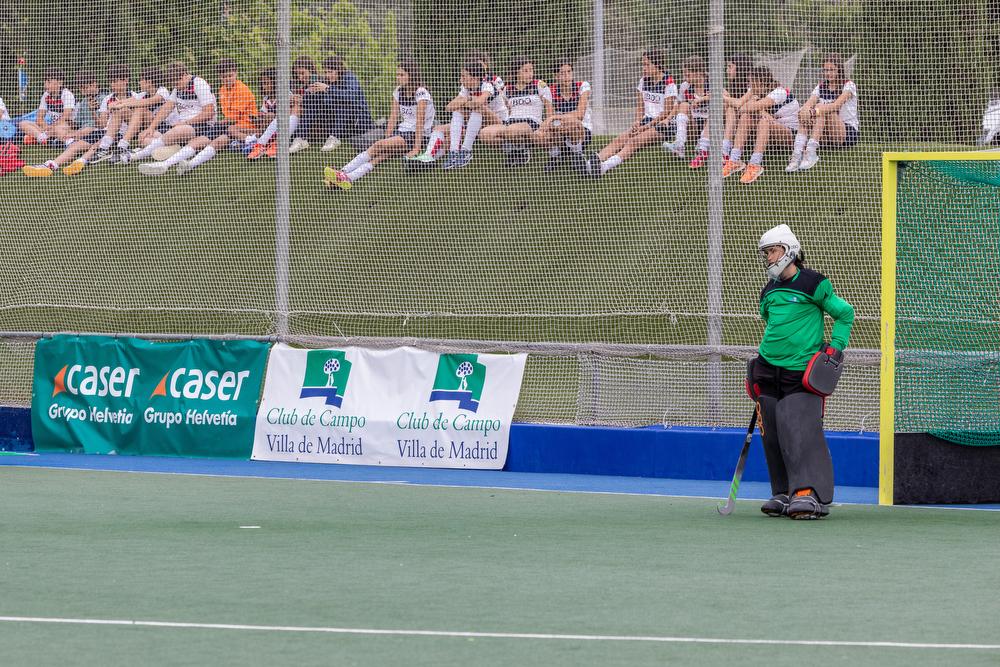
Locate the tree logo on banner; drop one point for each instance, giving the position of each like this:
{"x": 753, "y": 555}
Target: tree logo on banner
{"x": 327, "y": 373}
{"x": 460, "y": 377}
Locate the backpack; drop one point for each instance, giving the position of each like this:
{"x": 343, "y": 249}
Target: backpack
{"x": 9, "y": 161}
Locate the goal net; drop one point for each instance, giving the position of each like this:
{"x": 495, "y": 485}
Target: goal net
{"x": 631, "y": 311}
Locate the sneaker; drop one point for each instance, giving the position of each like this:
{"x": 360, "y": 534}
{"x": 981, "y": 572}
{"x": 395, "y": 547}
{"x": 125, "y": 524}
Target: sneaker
{"x": 699, "y": 160}
{"x": 423, "y": 159}
{"x": 794, "y": 162}
{"x": 776, "y": 506}
{"x": 553, "y": 163}
{"x": 299, "y": 144}
{"x": 464, "y": 159}
{"x": 28, "y": 140}
{"x": 335, "y": 178}
{"x": 124, "y": 158}
{"x": 164, "y": 152}
{"x": 183, "y": 167}
{"x": 331, "y": 144}
{"x": 732, "y": 167}
{"x": 153, "y": 168}
{"x": 805, "y": 505}
{"x": 809, "y": 160}
{"x": 104, "y": 155}
{"x": 272, "y": 150}
{"x": 236, "y": 146}
{"x": 36, "y": 170}
{"x": 450, "y": 160}
{"x": 74, "y": 168}
{"x": 675, "y": 148}
{"x": 752, "y": 173}
{"x": 258, "y": 150}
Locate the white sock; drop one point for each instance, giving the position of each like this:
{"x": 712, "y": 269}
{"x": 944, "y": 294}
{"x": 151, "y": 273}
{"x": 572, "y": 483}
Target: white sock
{"x": 68, "y": 140}
{"x": 123, "y": 144}
{"x": 106, "y": 142}
{"x": 703, "y": 145}
{"x": 682, "y": 130}
{"x": 434, "y": 143}
{"x": 268, "y": 134}
{"x": 554, "y": 152}
{"x": 359, "y": 172}
{"x": 455, "y": 136}
{"x": 757, "y": 159}
{"x": 144, "y": 153}
{"x": 576, "y": 148}
{"x": 360, "y": 159}
{"x": 42, "y": 136}
{"x": 812, "y": 145}
{"x": 206, "y": 154}
{"x": 610, "y": 164}
{"x": 727, "y": 147}
{"x": 293, "y": 124}
{"x": 185, "y": 153}
{"x": 736, "y": 154}
{"x": 472, "y": 130}
{"x": 52, "y": 165}
{"x": 800, "y": 143}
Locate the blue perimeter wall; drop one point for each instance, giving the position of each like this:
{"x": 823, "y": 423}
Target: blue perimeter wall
{"x": 652, "y": 451}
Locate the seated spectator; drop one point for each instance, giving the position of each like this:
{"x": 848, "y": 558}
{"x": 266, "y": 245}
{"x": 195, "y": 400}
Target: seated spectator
{"x": 772, "y": 117}
{"x": 830, "y": 115}
{"x": 345, "y": 107}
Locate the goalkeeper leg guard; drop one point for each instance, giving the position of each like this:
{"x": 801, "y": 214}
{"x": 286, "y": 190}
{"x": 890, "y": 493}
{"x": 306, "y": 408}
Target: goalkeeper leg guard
{"x": 768, "y": 406}
{"x": 803, "y": 445}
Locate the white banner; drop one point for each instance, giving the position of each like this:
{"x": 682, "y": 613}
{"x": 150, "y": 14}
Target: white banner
{"x": 398, "y": 407}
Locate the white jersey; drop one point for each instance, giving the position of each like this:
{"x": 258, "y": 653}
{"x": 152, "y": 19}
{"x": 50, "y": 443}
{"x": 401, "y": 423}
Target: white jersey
{"x": 408, "y": 110}
{"x": 686, "y": 93}
{"x": 848, "y": 111}
{"x": 65, "y": 101}
{"x": 493, "y": 88}
{"x": 3, "y": 111}
{"x": 108, "y": 99}
{"x": 529, "y": 103}
{"x": 786, "y": 108}
{"x": 656, "y": 94}
{"x": 563, "y": 103}
{"x": 190, "y": 100}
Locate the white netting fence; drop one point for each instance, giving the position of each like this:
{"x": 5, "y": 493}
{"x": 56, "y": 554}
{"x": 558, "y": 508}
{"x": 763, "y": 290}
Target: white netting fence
{"x": 605, "y": 281}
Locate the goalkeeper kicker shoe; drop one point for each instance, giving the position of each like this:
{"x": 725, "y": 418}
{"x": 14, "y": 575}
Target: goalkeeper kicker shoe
{"x": 805, "y": 505}
{"x": 776, "y": 506}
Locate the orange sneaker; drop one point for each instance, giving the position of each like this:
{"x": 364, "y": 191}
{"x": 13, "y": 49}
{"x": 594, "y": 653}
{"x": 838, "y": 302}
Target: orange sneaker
{"x": 257, "y": 151}
{"x": 732, "y": 167}
{"x": 28, "y": 140}
{"x": 752, "y": 173}
{"x": 272, "y": 149}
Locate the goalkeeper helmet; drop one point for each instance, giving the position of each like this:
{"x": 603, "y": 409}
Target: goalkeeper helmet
{"x": 783, "y": 236}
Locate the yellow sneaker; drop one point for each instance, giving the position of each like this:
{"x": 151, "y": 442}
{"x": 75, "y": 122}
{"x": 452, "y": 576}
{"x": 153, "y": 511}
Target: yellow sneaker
{"x": 732, "y": 167}
{"x": 333, "y": 178}
{"x": 74, "y": 168}
{"x": 36, "y": 170}
{"x": 752, "y": 173}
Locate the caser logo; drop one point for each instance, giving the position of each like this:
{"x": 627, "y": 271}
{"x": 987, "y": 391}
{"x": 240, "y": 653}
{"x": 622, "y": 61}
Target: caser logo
{"x": 81, "y": 380}
{"x": 194, "y": 383}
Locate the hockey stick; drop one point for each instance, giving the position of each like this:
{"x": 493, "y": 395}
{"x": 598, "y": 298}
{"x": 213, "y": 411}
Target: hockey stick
{"x": 725, "y": 509}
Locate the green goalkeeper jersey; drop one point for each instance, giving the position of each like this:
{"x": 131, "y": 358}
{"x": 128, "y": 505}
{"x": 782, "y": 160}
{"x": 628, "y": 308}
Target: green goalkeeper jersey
{"x": 792, "y": 311}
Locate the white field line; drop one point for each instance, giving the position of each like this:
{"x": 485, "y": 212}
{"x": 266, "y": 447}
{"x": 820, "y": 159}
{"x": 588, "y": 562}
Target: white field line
{"x": 494, "y": 635}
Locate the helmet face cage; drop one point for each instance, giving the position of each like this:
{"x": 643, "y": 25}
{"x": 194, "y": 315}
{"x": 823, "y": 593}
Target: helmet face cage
{"x": 774, "y": 270}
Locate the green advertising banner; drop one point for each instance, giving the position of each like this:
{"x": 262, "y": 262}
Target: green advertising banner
{"x": 103, "y": 395}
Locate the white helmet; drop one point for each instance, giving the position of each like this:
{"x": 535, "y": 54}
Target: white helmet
{"x": 783, "y": 236}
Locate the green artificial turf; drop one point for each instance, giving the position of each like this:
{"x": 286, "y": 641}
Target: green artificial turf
{"x": 103, "y": 545}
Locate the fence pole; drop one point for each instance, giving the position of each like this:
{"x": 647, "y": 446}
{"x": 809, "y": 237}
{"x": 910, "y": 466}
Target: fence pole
{"x": 282, "y": 176}
{"x": 597, "y": 94}
{"x": 716, "y": 67}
